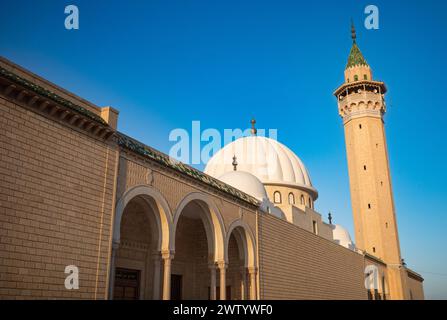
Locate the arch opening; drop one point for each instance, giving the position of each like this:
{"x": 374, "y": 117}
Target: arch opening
{"x": 137, "y": 256}
{"x": 141, "y": 232}
{"x": 198, "y": 244}
{"x": 240, "y": 254}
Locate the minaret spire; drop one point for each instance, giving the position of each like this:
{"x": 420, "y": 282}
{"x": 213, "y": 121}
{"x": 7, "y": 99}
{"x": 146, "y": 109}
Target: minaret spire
{"x": 355, "y": 56}
{"x": 353, "y": 33}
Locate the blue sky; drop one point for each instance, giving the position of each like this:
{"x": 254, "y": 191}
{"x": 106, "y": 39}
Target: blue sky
{"x": 165, "y": 63}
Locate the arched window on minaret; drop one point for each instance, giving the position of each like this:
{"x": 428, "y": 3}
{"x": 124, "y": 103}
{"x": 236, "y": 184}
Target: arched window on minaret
{"x": 302, "y": 200}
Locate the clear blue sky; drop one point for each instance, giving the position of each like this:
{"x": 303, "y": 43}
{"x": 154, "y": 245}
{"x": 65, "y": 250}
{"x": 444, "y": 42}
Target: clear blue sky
{"x": 166, "y": 63}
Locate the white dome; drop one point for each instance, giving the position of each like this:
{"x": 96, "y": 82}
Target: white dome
{"x": 249, "y": 184}
{"x": 342, "y": 237}
{"x": 245, "y": 182}
{"x": 267, "y": 159}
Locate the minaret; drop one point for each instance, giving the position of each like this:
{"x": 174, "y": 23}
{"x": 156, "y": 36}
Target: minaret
{"x": 361, "y": 104}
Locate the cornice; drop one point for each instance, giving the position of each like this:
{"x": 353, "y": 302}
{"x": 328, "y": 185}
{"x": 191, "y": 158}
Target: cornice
{"x": 45, "y": 102}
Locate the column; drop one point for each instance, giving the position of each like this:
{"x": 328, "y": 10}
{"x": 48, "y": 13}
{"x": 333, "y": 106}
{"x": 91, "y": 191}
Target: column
{"x": 223, "y": 287}
{"x": 252, "y": 275}
{"x": 115, "y": 246}
{"x": 213, "y": 281}
{"x": 157, "y": 271}
{"x": 167, "y": 257}
{"x": 243, "y": 283}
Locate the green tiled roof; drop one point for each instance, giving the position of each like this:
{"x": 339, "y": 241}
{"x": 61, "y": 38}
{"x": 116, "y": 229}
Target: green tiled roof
{"x": 163, "y": 159}
{"x": 50, "y": 95}
{"x": 356, "y": 57}
{"x": 129, "y": 143}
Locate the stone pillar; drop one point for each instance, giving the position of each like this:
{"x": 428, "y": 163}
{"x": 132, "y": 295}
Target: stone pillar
{"x": 213, "y": 281}
{"x": 243, "y": 283}
{"x": 157, "y": 273}
{"x": 252, "y": 274}
{"x": 223, "y": 286}
{"x": 167, "y": 257}
{"x": 115, "y": 246}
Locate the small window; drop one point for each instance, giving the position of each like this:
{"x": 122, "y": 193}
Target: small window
{"x": 374, "y": 249}
{"x": 356, "y": 78}
{"x": 314, "y": 227}
{"x": 365, "y": 77}
{"x": 348, "y": 80}
{"x": 310, "y": 202}
{"x": 369, "y": 205}
{"x": 386, "y": 225}
{"x": 277, "y": 197}
{"x": 360, "y": 126}
{"x": 302, "y": 200}
{"x": 291, "y": 198}
{"x": 364, "y": 168}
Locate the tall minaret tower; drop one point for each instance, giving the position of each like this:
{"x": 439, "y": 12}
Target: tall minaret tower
{"x": 361, "y": 104}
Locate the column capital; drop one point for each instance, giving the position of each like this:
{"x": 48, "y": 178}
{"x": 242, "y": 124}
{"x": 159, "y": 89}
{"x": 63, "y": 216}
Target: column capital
{"x": 222, "y": 264}
{"x": 167, "y": 254}
{"x": 252, "y": 270}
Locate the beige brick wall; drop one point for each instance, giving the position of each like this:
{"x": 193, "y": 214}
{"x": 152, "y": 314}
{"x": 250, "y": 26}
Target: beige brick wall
{"x": 296, "y": 264}
{"x": 415, "y": 289}
{"x": 56, "y": 195}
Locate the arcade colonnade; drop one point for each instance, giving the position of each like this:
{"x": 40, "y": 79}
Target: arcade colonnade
{"x": 187, "y": 253}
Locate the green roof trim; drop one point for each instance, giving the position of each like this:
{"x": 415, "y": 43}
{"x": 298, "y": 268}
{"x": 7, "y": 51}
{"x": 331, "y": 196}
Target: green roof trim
{"x": 356, "y": 57}
{"x": 129, "y": 143}
{"x": 50, "y": 95}
{"x": 163, "y": 159}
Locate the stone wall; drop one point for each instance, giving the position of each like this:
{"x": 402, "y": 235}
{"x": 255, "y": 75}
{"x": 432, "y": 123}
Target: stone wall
{"x": 56, "y": 200}
{"x": 296, "y": 264}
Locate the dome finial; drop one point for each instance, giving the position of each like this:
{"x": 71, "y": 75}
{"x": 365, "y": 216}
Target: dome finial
{"x": 234, "y": 163}
{"x": 353, "y": 33}
{"x": 253, "y": 129}
{"x": 329, "y": 216}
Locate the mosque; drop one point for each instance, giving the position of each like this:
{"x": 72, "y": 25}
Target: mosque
{"x": 134, "y": 224}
